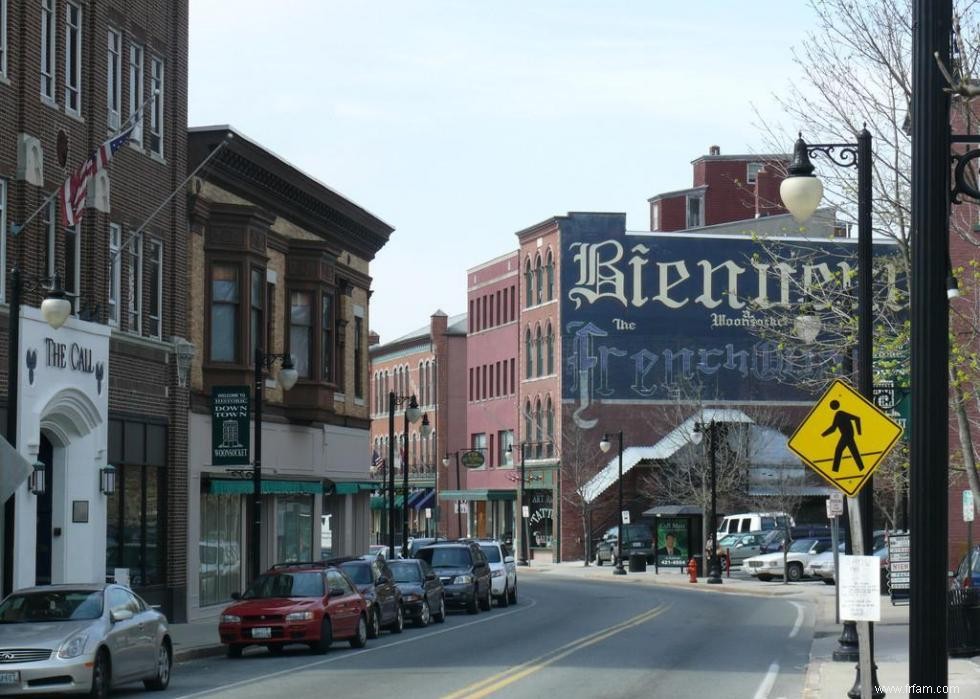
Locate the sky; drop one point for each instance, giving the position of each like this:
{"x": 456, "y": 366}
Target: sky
{"x": 461, "y": 122}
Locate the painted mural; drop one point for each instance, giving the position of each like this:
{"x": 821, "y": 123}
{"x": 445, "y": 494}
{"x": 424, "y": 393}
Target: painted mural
{"x": 645, "y": 313}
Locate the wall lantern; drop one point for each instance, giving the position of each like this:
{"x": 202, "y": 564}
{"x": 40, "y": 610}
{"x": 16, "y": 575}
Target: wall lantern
{"x": 35, "y": 482}
{"x": 107, "y": 479}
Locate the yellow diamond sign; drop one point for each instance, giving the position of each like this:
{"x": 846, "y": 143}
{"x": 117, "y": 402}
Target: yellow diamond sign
{"x": 844, "y": 437}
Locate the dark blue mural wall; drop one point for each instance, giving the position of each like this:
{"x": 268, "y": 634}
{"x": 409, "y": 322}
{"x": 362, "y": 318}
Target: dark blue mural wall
{"x": 644, "y": 314}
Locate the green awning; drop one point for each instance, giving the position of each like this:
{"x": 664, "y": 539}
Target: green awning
{"x": 380, "y": 502}
{"x": 353, "y": 487}
{"x": 221, "y": 486}
{"x": 477, "y": 494}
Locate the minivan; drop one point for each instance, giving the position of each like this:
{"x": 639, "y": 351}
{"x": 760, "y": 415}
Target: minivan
{"x": 753, "y": 522}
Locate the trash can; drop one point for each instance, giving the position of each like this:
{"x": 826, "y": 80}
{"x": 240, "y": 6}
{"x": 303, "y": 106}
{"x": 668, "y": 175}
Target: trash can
{"x": 964, "y": 622}
{"x": 638, "y": 563}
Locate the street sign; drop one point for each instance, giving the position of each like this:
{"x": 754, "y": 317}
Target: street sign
{"x": 844, "y": 438}
{"x": 526, "y": 511}
{"x": 967, "y": 505}
{"x": 899, "y": 564}
{"x": 230, "y": 425}
{"x": 835, "y": 505}
{"x": 626, "y": 516}
{"x": 428, "y": 513}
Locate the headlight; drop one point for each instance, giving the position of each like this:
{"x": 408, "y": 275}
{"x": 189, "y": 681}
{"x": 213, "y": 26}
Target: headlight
{"x": 73, "y": 647}
{"x": 299, "y": 616}
{"x": 230, "y": 619}
{"x": 496, "y": 573}
{"x": 462, "y": 579}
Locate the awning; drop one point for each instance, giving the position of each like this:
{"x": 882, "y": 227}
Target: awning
{"x": 428, "y": 497}
{"x": 478, "y": 494}
{"x": 413, "y": 498}
{"x": 223, "y": 486}
{"x": 380, "y": 502}
{"x": 353, "y": 487}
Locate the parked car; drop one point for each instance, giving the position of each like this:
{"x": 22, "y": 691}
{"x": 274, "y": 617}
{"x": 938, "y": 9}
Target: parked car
{"x": 415, "y": 544}
{"x": 822, "y": 567}
{"x": 637, "y": 538}
{"x": 311, "y": 604}
{"x": 464, "y": 571}
{"x": 752, "y": 522}
{"x": 738, "y": 547}
{"x": 423, "y": 597}
{"x": 374, "y": 580}
{"x": 503, "y": 571}
{"x": 382, "y": 551}
{"x": 963, "y": 577}
{"x": 770, "y": 565}
{"x": 94, "y": 637}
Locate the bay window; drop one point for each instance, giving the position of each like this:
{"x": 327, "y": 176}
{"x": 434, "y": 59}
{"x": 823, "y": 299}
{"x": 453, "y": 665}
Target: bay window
{"x": 301, "y": 331}
{"x": 224, "y": 313}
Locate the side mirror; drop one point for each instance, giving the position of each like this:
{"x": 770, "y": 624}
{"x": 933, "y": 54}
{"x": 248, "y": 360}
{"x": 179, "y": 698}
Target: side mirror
{"x": 236, "y": 595}
{"x": 508, "y": 559}
{"x": 337, "y": 592}
{"x": 120, "y": 615}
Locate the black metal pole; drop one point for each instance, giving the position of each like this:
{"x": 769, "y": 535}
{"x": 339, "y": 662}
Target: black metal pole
{"x": 391, "y": 475}
{"x": 714, "y": 567}
{"x": 929, "y": 451}
{"x": 13, "y": 390}
{"x": 257, "y": 465}
{"x": 435, "y": 498}
{"x": 459, "y": 503}
{"x": 524, "y": 547}
{"x": 620, "y": 570}
{"x": 405, "y": 492}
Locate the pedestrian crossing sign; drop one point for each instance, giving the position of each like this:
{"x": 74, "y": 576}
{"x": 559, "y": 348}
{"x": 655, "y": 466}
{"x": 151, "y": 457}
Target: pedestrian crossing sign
{"x": 845, "y": 437}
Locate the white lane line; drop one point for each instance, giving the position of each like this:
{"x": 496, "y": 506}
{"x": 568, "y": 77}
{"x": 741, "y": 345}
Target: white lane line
{"x": 345, "y": 656}
{"x": 767, "y": 682}
{"x": 800, "y": 613}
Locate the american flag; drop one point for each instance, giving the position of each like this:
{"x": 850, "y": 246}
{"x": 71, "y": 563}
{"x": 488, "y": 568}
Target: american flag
{"x": 378, "y": 462}
{"x": 73, "y": 191}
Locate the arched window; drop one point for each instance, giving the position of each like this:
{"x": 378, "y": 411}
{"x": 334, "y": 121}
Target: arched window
{"x": 551, "y": 350}
{"x": 551, "y": 276}
{"x": 539, "y": 428}
{"x": 538, "y": 280}
{"x": 528, "y": 423}
{"x": 527, "y": 353}
{"x": 550, "y": 429}
{"x": 528, "y": 284}
{"x": 415, "y": 451}
{"x": 433, "y": 385}
{"x": 422, "y": 397}
{"x": 538, "y": 352}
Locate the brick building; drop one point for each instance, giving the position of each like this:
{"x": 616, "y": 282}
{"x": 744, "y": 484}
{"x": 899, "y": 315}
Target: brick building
{"x": 73, "y": 72}
{"x": 278, "y": 262}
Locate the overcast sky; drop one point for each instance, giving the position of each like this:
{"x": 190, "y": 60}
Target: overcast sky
{"x": 461, "y": 122}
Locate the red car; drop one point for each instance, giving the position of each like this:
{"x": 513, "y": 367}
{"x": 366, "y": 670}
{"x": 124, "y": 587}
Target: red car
{"x": 309, "y": 604}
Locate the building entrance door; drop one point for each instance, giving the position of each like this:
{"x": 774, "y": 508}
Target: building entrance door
{"x": 42, "y": 564}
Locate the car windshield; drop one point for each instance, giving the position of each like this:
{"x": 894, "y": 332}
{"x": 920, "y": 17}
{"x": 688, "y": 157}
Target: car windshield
{"x": 406, "y": 572}
{"x": 492, "y": 552}
{"x": 730, "y": 540}
{"x": 446, "y": 557}
{"x": 51, "y": 605}
{"x": 636, "y": 532}
{"x": 286, "y": 585}
{"x": 360, "y": 573}
{"x": 801, "y": 545}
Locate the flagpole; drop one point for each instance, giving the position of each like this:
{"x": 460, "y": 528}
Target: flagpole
{"x": 15, "y": 228}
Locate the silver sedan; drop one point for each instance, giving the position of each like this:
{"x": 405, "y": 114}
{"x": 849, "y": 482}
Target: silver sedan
{"x": 81, "y": 639}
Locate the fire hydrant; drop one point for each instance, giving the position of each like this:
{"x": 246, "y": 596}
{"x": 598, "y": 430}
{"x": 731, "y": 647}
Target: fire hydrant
{"x": 692, "y": 570}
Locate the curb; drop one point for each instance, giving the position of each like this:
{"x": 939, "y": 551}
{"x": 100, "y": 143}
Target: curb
{"x": 198, "y": 652}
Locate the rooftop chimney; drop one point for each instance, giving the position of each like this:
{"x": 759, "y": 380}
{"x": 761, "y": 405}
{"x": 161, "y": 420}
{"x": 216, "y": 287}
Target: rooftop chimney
{"x": 714, "y": 150}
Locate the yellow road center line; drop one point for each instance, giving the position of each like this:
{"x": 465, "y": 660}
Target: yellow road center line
{"x": 502, "y": 679}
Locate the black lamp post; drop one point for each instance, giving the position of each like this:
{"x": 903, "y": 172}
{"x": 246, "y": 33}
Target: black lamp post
{"x": 424, "y": 431}
{"x": 287, "y": 379}
{"x": 459, "y": 486}
{"x": 523, "y": 560}
{"x": 711, "y": 429}
{"x": 605, "y": 445}
{"x": 411, "y": 415}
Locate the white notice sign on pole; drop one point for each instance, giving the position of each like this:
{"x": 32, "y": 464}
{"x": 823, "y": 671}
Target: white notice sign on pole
{"x": 860, "y": 596}
{"x": 626, "y": 516}
{"x": 967, "y": 505}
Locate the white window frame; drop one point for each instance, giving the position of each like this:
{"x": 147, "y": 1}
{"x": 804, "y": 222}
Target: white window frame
{"x": 49, "y": 22}
{"x": 3, "y": 240}
{"x": 156, "y": 259}
{"x": 114, "y": 77}
{"x": 655, "y": 216}
{"x": 752, "y": 172}
{"x": 73, "y": 78}
{"x": 157, "y": 104}
{"x": 135, "y": 315}
{"x": 115, "y": 267}
{"x": 687, "y": 210}
{"x": 3, "y": 38}
{"x": 136, "y": 89}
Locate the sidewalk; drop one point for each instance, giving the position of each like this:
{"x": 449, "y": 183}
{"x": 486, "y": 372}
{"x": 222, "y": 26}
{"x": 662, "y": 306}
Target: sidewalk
{"x": 196, "y": 639}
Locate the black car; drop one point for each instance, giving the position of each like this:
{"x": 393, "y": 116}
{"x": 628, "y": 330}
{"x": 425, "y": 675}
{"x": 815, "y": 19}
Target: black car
{"x": 423, "y": 597}
{"x": 375, "y": 582}
{"x": 464, "y": 571}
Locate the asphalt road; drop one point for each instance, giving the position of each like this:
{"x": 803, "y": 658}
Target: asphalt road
{"x": 564, "y": 638}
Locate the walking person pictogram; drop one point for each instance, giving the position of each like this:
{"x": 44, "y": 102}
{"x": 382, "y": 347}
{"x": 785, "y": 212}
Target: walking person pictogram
{"x": 845, "y": 424}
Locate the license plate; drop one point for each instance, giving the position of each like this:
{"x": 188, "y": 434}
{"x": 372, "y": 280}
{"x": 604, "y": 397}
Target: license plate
{"x": 9, "y": 677}
{"x": 262, "y": 632}
{"x": 637, "y": 544}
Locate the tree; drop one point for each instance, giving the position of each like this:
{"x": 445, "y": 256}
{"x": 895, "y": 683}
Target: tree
{"x": 784, "y": 484}
{"x": 578, "y": 467}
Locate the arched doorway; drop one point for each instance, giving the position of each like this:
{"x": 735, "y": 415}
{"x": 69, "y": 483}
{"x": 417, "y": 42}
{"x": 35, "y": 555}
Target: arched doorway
{"x": 45, "y": 502}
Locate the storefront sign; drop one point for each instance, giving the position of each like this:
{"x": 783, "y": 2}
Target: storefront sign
{"x": 472, "y": 459}
{"x": 230, "y": 425}
{"x": 672, "y": 544}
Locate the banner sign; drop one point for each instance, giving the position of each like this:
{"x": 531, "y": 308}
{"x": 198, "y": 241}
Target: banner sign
{"x": 672, "y": 543}
{"x": 646, "y": 313}
{"x": 230, "y": 412}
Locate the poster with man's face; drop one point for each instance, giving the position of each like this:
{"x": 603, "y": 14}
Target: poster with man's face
{"x": 672, "y": 545}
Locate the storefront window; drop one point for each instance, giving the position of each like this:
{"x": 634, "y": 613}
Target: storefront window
{"x": 136, "y": 532}
{"x": 540, "y": 524}
{"x": 294, "y": 528}
{"x": 220, "y": 571}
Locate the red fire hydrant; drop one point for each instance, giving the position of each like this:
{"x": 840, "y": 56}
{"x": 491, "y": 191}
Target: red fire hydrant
{"x": 692, "y": 570}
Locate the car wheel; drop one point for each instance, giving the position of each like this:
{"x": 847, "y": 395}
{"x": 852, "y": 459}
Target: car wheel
{"x": 794, "y": 572}
{"x": 165, "y": 661}
{"x": 486, "y": 604}
{"x": 101, "y": 676}
{"x": 425, "y": 616}
{"x": 322, "y": 645}
{"x": 504, "y": 599}
{"x": 399, "y": 622}
{"x": 828, "y": 581}
{"x": 473, "y": 606}
{"x": 359, "y": 639}
{"x": 513, "y": 594}
{"x": 440, "y": 616}
{"x": 374, "y": 623}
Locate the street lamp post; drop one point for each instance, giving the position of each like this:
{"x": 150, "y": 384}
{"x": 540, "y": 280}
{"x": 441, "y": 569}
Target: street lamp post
{"x": 287, "y": 379}
{"x": 459, "y": 510}
{"x": 411, "y": 415}
{"x": 711, "y": 429}
{"x": 523, "y": 560}
{"x": 604, "y": 445}
{"x": 424, "y": 430}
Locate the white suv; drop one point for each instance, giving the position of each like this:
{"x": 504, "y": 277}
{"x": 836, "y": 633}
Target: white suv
{"x": 503, "y": 571}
